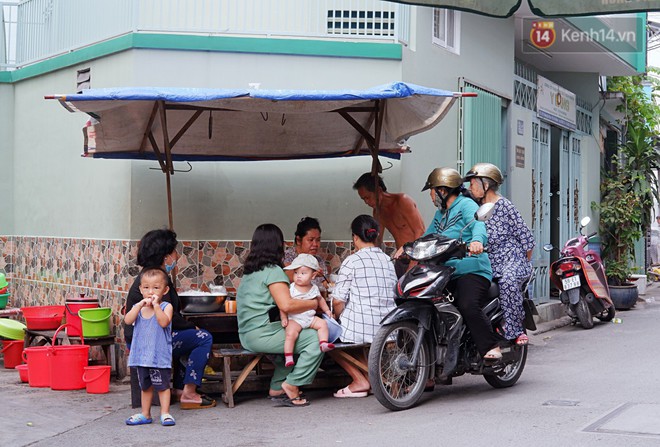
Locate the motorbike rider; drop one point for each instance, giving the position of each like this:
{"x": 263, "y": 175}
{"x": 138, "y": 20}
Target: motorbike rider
{"x": 510, "y": 244}
{"x": 471, "y": 279}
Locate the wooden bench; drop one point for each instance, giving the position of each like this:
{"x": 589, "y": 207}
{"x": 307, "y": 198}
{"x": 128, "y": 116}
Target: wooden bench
{"x": 227, "y": 354}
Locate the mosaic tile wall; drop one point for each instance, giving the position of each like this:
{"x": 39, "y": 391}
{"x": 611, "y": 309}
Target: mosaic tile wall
{"x": 43, "y": 270}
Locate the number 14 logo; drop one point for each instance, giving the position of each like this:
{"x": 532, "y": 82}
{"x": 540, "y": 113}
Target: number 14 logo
{"x": 542, "y": 34}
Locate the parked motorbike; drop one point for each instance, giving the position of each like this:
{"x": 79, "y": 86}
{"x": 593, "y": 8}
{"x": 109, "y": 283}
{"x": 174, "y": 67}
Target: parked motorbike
{"x": 579, "y": 275}
{"x": 425, "y": 336}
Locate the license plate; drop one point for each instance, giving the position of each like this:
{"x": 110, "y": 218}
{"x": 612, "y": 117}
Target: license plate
{"x": 571, "y": 282}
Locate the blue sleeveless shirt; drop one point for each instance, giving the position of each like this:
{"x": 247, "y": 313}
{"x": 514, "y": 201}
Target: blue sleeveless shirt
{"x": 152, "y": 344}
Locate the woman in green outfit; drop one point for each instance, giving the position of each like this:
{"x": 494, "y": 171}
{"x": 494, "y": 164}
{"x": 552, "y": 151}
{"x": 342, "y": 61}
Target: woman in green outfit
{"x": 263, "y": 287}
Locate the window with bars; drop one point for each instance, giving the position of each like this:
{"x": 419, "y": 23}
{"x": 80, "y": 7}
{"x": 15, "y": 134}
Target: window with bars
{"x": 361, "y": 23}
{"x": 446, "y": 29}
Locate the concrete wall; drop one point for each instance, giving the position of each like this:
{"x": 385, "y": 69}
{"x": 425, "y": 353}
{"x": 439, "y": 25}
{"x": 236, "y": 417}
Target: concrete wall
{"x": 428, "y": 64}
{"x": 58, "y": 193}
{"x": 6, "y": 159}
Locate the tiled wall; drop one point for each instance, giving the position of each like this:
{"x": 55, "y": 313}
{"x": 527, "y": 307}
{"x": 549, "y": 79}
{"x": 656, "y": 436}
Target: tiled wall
{"x": 43, "y": 270}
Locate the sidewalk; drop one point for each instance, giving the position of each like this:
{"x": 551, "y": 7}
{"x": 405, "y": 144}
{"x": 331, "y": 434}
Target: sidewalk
{"x": 43, "y": 417}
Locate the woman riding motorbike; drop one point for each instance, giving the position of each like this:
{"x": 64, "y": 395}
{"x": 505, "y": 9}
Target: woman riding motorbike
{"x": 471, "y": 279}
{"x": 510, "y": 244}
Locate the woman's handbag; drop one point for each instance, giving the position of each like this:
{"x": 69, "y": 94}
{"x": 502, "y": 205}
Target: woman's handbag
{"x": 530, "y": 311}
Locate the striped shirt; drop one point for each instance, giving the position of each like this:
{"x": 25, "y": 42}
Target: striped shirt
{"x": 152, "y": 344}
{"x": 365, "y": 282}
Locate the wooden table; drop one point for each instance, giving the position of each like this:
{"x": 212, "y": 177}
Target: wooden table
{"x": 223, "y": 326}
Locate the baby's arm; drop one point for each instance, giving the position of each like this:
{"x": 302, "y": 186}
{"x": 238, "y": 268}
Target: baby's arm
{"x": 324, "y": 306}
{"x": 285, "y": 319}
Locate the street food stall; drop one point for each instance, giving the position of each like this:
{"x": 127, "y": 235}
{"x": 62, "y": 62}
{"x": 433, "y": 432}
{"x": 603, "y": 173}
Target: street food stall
{"x": 195, "y": 125}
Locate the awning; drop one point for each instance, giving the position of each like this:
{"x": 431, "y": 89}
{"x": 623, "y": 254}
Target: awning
{"x": 169, "y": 124}
{"x": 219, "y": 124}
{"x": 543, "y": 8}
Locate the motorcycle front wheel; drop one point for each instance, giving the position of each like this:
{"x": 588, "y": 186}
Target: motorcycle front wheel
{"x": 511, "y": 372}
{"x": 396, "y": 384}
{"x": 581, "y": 309}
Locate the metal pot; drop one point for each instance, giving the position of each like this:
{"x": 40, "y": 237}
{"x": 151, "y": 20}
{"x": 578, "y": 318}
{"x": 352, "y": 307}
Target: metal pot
{"x": 198, "y": 303}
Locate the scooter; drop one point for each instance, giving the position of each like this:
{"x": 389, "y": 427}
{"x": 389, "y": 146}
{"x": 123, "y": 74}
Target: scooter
{"x": 579, "y": 275}
{"x": 425, "y": 336}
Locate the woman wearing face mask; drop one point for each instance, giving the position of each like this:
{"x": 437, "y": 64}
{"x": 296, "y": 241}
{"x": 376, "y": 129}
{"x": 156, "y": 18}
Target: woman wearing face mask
{"x": 157, "y": 248}
{"x": 471, "y": 279}
{"x": 510, "y": 244}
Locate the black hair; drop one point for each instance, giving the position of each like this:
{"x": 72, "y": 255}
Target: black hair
{"x": 266, "y": 248}
{"x": 154, "y": 271}
{"x": 365, "y": 227}
{"x": 366, "y": 181}
{"x": 154, "y": 246}
{"x": 306, "y": 224}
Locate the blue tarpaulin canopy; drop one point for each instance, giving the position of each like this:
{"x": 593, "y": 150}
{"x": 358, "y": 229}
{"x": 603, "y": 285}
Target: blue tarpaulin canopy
{"x": 169, "y": 124}
{"x": 221, "y": 124}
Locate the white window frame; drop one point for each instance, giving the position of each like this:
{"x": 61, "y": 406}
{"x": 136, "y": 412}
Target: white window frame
{"x": 448, "y": 17}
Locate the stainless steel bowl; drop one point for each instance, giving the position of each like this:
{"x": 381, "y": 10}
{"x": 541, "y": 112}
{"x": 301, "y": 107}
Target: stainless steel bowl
{"x": 201, "y": 303}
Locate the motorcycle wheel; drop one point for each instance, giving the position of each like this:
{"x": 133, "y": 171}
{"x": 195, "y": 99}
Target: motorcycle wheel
{"x": 511, "y": 373}
{"x": 607, "y": 314}
{"x": 581, "y": 309}
{"x": 395, "y": 386}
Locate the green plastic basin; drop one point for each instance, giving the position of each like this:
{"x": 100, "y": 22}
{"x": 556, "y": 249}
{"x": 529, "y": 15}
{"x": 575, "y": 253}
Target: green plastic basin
{"x": 12, "y": 329}
{"x": 3, "y": 300}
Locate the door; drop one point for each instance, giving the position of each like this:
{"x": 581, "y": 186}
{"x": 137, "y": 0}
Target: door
{"x": 541, "y": 193}
{"x": 569, "y": 191}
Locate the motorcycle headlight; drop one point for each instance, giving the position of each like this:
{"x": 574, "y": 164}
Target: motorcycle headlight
{"x": 426, "y": 249}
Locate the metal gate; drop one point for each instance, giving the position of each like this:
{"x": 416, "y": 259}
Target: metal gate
{"x": 541, "y": 208}
{"x": 569, "y": 191}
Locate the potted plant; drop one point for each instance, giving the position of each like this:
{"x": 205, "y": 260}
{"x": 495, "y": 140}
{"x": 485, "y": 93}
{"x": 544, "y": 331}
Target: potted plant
{"x": 628, "y": 189}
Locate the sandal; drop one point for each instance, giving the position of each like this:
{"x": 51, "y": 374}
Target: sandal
{"x": 346, "y": 392}
{"x": 206, "y": 402}
{"x": 493, "y": 354}
{"x": 138, "y": 419}
{"x": 522, "y": 340}
{"x": 166, "y": 420}
{"x": 291, "y": 402}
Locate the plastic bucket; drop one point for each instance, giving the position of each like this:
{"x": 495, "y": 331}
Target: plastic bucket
{"x": 72, "y": 306}
{"x": 38, "y": 369}
{"x": 95, "y": 322}
{"x": 22, "y": 372}
{"x": 97, "y": 379}
{"x": 67, "y": 364}
{"x": 13, "y": 351}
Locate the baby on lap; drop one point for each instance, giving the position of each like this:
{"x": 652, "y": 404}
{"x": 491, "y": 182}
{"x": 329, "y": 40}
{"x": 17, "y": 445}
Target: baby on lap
{"x": 305, "y": 268}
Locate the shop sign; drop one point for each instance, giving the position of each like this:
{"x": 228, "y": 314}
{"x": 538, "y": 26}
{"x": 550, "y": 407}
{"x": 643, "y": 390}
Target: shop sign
{"x": 555, "y": 104}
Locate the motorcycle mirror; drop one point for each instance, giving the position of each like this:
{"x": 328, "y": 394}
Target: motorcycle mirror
{"x": 484, "y": 212}
{"x": 585, "y": 221}
{"x": 548, "y": 247}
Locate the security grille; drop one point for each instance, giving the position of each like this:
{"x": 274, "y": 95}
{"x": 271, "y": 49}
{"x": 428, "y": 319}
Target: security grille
{"x": 363, "y": 23}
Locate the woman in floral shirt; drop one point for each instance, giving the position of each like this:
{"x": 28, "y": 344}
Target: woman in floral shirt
{"x": 510, "y": 244}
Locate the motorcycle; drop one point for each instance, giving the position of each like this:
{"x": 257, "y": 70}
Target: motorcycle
{"x": 425, "y": 336}
{"x": 579, "y": 275}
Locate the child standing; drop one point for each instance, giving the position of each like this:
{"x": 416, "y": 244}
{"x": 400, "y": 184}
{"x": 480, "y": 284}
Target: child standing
{"x": 151, "y": 348}
{"x": 305, "y": 268}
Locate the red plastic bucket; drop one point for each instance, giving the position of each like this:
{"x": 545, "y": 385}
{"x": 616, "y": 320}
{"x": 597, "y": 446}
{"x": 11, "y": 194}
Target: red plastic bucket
{"x": 73, "y": 305}
{"x": 13, "y": 351}
{"x": 67, "y": 364}
{"x": 38, "y": 369}
{"x": 97, "y": 379}
{"x": 22, "y": 372}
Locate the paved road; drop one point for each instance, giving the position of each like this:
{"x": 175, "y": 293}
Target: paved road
{"x": 580, "y": 388}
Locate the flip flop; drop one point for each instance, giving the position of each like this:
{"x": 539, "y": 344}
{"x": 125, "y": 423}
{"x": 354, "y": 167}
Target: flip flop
{"x": 282, "y": 396}
{"x": 522, "y": 340}
{"x": 290, "y": 402}
{"x": 346, "y": 392}
{"x": 206, "y": 402}
{"x": 138, "y": 419}
{"x": 167, "y": 420}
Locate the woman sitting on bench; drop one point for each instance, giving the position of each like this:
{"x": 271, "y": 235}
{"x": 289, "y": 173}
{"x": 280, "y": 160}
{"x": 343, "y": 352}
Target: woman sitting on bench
{"x": 264, "y": 288}
{"x": 362, "y": 296}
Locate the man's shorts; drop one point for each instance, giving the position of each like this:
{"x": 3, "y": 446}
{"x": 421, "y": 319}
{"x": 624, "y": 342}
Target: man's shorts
{"x": 159, "y": 378}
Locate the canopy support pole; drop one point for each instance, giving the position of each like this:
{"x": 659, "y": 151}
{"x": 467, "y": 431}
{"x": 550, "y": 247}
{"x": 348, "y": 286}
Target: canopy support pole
{"x": 169, "y": 171}
{"x": 376, "y": 167}
{"x": 147, "y": 130}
